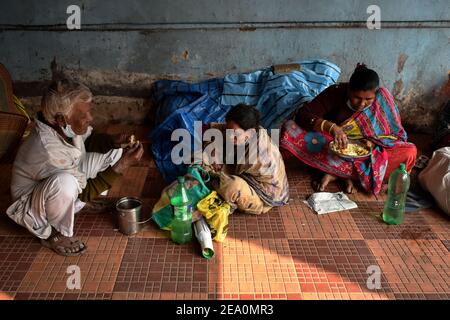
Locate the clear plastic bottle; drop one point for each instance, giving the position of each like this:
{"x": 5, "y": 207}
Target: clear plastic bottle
{"x": 182, "y": 214}
{"x": 394, "y": 208}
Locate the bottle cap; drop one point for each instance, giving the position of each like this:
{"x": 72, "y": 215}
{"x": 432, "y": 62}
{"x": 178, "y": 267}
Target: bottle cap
{"x": 207, "y": 253}
{"x": 203, "y": 234}
{"x": 402, "y": 167}
{"x": 181, "y": 179}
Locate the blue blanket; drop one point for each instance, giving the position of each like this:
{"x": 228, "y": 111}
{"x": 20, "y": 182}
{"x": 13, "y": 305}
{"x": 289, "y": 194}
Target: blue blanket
{"x": 276, "y": 96}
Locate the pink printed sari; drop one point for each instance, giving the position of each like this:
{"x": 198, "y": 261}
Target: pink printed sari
{"x": 379, "y": 123}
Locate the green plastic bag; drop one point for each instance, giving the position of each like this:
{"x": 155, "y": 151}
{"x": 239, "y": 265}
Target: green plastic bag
{"x": 196, "y": 190}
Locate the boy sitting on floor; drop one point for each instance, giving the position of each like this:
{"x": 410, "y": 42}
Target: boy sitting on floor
{"x": 253, "y": 177}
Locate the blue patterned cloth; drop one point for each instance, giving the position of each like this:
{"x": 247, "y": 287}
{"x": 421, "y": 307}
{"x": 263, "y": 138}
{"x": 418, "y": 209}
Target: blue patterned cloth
{"x": 277, "y": 96}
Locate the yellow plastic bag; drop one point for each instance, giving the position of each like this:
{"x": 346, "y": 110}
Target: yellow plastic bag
{"x": 216, "y": 212}
{"x": 21, "y": 108}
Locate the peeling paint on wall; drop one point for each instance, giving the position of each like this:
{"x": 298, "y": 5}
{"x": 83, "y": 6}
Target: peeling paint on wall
{"x": 401, "y": 62}
{"x": 417, "y": 116}
{"x": 107, "y": 109}
{"x": 123, "y": 49}
{"x": 176, "y": 59}
{"x": 398, "y": 88}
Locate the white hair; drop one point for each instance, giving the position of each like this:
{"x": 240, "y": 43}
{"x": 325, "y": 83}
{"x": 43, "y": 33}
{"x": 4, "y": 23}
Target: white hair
{"x": 61, "y": 96}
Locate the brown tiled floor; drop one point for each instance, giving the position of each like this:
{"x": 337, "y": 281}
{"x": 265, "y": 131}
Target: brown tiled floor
{"x": 289, "y": 253}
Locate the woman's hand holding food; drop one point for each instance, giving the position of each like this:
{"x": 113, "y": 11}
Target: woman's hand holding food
{"x": 340, "y": 137}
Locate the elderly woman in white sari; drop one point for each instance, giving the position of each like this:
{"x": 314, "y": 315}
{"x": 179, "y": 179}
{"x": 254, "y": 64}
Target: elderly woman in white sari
{"x": 53, "y": 174}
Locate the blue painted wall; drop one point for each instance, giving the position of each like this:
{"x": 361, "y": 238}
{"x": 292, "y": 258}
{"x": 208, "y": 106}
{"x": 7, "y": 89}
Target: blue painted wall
{"x": 196, "y": 39}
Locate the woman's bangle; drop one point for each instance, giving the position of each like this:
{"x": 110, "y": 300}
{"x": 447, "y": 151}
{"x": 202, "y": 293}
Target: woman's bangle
{"x": 321, "y": 125}
{"x": 329, "y": 129}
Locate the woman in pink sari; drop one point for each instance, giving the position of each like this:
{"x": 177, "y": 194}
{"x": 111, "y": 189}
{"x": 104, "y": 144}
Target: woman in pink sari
{"x": 361, "y": 110}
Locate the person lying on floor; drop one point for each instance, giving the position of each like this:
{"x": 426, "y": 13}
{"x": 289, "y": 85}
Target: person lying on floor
{"x": 359, "y": 109}
{"x": 435, "y": 178}
{"x": 254, "y": 179}
{"x": 53, "y": 175}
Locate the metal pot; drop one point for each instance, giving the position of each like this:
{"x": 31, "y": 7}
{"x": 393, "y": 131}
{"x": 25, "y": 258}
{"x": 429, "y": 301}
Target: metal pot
{"x": 129, "y": 215}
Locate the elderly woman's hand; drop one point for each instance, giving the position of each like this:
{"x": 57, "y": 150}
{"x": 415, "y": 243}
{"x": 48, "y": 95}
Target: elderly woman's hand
{"x": 340, "y": 137}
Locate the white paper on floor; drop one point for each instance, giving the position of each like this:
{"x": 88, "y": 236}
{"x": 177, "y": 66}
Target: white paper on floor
{"x": 325, "y": 202}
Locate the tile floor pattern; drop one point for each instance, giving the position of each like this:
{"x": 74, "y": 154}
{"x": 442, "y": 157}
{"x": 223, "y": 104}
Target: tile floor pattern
{"x": 289, "y": 253}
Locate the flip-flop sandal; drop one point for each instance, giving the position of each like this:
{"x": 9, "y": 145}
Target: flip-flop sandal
{"x": 99, "y": 205}
{"x": 59, "y": 243}
{"x": 354, "y": 190}
{"x": 421, "y": 162}
{"x": 315, "y": 184}
{"x": 344, "y": 188}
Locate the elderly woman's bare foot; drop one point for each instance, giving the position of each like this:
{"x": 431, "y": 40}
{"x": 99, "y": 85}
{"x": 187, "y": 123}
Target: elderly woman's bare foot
{"x": 350, "y": 187}
{"x": 326, "y": 179}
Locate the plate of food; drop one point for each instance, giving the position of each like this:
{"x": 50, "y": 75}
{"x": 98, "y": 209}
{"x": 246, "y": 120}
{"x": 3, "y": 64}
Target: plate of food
{"x": 355, "y": 150}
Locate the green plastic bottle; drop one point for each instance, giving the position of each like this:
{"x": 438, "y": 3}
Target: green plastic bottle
{"x": 182, "y": 214}
{"x": 394, "y": 208}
